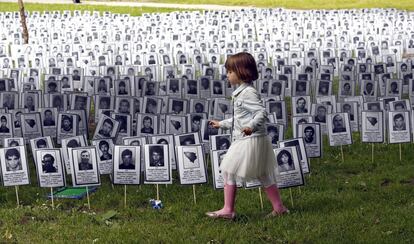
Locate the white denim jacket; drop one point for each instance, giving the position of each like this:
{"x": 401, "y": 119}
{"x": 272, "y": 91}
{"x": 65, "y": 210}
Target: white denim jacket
{"x": 248, "y": 112}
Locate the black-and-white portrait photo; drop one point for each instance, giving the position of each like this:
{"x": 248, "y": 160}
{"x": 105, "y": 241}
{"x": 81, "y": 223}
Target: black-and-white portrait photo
{"x": 216, "y": 159}
{"x": 49, "y": 166}
{"x": 220, "y": 142}
{"x": 372, "y": 126}
{"x": 105, "y": 150}
{"x": 191, "y": 165}
{"x": 14, "y": 168}
{"x": 275, "y": 132}
{"x": 339, "y": 130}
{"x": 399, "y": 126}
{"x": 311, "y": 134}
{"x": 13, "y": 142}
{"x": 288, "y": 170}
{"x": 127, "y": 164}
{"x": 84, "y": 166}
{"x": 157, "y": 167}
{"x": 107, "y": 127}
{"x": 299, "y": 144}
{"x": 301, "y": 105}
{"x": 167, "y": 139}
{"x": 6, "y": 129}
{"x": 31, "y": 125}
{"x": 147, "y": 124}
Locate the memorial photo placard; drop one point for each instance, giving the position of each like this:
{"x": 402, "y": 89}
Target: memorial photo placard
{"x": 6, "y": 128}
{"x": 399, "y": 127}
{"x": 31, "y": 125}
{"x": 312, "y": 135}
{"x": 127, "y": 165}
{"x": 300, "y": 151}
{"x": 191, "y": 165}
{"x": 372, "y": 126}
{"x": 67, "y": 144}
{"x": 157, "y": 167}
{"x": 49, "y": 167}
{"x": 67, "y": 126}
{"x": 14, "y": 167}
{"x": 339, "y": 130}
{"x": 168, "y": 140}
{"x": 84, "y": 167}
{"x": 105, "y": 150}
{"x": 288, "y": 170}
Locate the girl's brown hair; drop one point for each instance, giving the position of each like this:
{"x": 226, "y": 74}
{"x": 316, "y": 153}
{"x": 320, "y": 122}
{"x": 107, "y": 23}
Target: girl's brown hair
{"x": 244, "y": 65}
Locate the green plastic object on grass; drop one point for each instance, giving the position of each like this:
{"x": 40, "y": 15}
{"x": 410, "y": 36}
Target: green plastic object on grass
{"x": 72, "y": 192}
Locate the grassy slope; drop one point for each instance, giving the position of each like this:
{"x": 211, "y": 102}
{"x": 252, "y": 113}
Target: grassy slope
{"x": 298, "y": 4}
{"x": 342, "y": 202}
{"x": 354, "y": 201}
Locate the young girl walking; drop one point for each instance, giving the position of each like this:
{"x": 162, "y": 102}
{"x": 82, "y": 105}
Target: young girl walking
{"x": 250, "y": 155}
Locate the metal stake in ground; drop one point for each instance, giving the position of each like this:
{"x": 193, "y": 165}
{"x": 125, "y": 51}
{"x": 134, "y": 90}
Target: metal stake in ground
{"x": 372, "y": 153}
{"x": 194, "y": 195}
{"x": 261, "y": 198}
{"x": 399, "y": 144}
{"x": 125, "y": 196}
{"x": 291, "y": 196}
{"x": 87, "y": 195}
{"x": 51, "y": 196}
{"x": 17, "y": 195}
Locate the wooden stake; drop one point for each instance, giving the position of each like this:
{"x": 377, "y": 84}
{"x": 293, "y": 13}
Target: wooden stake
{"x": 17, "y": 195}
{"x": 125, "y": 198}
{"x": 261, "y": 198}
{"x": 87, "y": 195}
{"x": 372, "y": 153}
{"x": 51, "y": 196}
{"x": 291, "y": 196}
{"x": 342, "y": 154}
{"x": 158, "y": 193}
{"x": 112, "y": 184}
{"x": 309, "y": 160}
{"x": 194, "y": 194}
{"x": 400, "y": 151}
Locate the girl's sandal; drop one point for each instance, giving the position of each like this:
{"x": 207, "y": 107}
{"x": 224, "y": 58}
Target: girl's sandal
{"x": 274, "y": 214}
{"x": 215, "y": 215}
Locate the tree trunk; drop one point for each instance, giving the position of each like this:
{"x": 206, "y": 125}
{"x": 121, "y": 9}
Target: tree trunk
{"x": 23, "y": 21}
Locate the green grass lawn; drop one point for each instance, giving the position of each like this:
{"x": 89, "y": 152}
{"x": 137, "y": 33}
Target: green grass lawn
{"x": 297, "y": 4}
{"x": 354, "y": 201}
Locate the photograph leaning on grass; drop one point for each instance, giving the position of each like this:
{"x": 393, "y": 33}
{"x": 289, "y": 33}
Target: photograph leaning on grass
{"x": 206, "y": 121}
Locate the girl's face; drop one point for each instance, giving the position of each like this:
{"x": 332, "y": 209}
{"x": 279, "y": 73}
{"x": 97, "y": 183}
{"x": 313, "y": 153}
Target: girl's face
{"x": 232, "y": 77}
{"x": 284, "y": 158}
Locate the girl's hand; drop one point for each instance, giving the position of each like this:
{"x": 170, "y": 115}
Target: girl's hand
{"x": 214, "y": 123}
{"x": 247, "y": 131}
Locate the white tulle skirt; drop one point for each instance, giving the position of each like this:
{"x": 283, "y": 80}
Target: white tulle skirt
{"x": 250, "y": 158}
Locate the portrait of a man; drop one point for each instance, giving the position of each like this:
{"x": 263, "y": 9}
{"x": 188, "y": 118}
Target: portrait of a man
{"x": 309, "y": 135}
{"x": 127, "y": 161}
{"x": 85, "y": 161}
{"x": 399, "y": 122}
{"x": 13, "y": 160}
{"x": 301, "y": 106}
{"x": 156, "y": 156}
{"x": 48, "y": 164}
{"x": 106, "y": 128}
{"x": 338, "y": 124}
{"x": 104, "y": 149}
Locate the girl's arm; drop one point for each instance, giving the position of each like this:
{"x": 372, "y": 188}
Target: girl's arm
{"x": 225, "y": 124}
{"x": 254, "y": 105}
